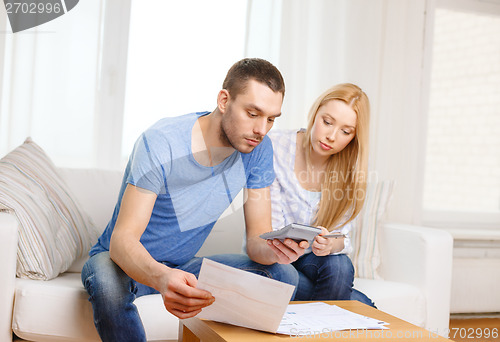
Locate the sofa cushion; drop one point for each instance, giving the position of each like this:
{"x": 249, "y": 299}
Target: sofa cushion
{"x": 53, "y": 231}
{"x": 402, "y": 300}
{"x": 364, "y": 235}
{"x": 59, "y": 309}
{"x": 96, "y": 191}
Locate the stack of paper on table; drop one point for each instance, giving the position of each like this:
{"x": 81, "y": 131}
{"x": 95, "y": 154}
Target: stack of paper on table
{"x": 252, "y": 301}
{"x": 320, "y": 317}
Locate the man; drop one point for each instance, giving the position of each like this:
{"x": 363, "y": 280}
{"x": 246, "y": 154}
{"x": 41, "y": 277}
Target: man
{"x": 182, "y": 174}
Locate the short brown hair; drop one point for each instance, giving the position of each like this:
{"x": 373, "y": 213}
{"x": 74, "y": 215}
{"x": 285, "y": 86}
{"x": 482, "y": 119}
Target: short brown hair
{"x": 253, "y": 68}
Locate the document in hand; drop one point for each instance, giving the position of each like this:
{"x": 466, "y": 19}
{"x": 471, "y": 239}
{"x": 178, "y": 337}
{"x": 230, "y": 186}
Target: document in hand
{"x": 243, "y": 298}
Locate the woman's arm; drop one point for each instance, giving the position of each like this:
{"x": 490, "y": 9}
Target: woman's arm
{"x": 324, "y": 246}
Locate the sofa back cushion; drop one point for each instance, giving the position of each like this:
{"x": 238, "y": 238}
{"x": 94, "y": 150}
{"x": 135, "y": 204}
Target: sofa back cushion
{"x": 53, "y": 231}
{"x": 365, "y": 230}
{"x": 96, "y": 191}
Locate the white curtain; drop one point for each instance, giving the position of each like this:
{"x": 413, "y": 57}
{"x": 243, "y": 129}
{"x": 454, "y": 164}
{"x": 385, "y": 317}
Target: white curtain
{"x": 64, "y": 83}
{"x": 178, "y": 58}
{"x": 49, "y": 80}
{"x": 376, "y": 44}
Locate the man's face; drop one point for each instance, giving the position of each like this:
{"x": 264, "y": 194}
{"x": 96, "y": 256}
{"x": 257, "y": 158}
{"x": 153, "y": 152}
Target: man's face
{"x": 247, "y": 118}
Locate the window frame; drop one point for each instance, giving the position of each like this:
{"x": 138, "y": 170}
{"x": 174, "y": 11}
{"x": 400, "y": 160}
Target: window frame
{"x": 445, "y": 218}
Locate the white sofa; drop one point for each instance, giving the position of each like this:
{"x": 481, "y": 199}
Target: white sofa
{"x": 416, "y": 265}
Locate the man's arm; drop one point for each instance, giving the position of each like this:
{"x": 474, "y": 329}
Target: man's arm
{"x": 177, "y": 287}
{"x": 257, "y": 210}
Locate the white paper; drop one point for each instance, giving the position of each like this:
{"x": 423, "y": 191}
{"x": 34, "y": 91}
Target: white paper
{"x": 314, "y": 318}
{"x": 243, "y": 298}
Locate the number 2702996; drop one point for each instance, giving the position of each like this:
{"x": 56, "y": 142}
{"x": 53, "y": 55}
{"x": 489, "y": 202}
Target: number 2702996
{"x": 32, "y": 8}
{"x": 472, "y": 333}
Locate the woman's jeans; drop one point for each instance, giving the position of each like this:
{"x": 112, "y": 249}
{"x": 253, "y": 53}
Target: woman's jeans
{"x": 112, "y": 292}
{"x": 327, "y": 278}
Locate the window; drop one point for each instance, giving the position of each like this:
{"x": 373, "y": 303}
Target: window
{"x": 462, "y": 167}
{"x": 48, "y": 85}
{"x": 177, "y": 62}
{"x": 63, "y": 82}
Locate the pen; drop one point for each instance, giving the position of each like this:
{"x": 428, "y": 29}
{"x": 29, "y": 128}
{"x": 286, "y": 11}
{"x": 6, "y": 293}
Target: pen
{"x": 335, "y": 235}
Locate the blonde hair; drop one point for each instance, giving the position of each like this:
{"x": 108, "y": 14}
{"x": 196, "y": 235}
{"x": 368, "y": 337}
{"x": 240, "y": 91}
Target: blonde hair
{"x": 345, "y": 177}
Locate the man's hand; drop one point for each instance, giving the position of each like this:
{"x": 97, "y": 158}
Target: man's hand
{"x": 181, "y": 297}
{"x": 287, "y": 251}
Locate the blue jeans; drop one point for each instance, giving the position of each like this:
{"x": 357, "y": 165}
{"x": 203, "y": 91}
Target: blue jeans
{"x": 112, "y": 292}
{"x": 327, "y": 278}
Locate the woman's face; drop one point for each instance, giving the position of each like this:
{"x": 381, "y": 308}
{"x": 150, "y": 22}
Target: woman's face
{"x": 333, "y": 129}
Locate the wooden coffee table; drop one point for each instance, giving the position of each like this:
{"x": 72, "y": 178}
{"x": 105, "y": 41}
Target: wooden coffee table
{"x": 195, "y": 329}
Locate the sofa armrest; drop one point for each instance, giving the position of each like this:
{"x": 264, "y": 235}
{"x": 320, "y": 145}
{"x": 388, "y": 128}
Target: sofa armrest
{"x": 8, "y": 255}
{"x": 422, "y": 257}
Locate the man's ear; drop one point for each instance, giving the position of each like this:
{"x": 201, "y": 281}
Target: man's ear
{"x": 222, "y": 100}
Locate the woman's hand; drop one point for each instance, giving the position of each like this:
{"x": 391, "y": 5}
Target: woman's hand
{"x": 323, "y": 246}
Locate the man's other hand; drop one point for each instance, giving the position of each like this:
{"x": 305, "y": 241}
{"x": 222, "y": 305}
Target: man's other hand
{"x": 181, "y": 297}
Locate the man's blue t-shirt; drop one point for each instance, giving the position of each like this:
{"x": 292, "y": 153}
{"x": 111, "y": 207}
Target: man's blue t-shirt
{"x": 191, "y": 197}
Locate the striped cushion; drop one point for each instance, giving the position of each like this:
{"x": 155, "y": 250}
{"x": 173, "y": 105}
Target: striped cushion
{"x": 365, "y": 256}
{"x": 53, "y": 231}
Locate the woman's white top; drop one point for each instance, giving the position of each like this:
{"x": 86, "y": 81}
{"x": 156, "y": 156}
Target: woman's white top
{"x": 290, "y": 202}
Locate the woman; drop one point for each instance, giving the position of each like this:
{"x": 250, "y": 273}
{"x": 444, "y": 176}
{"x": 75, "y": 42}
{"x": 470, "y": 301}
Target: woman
{"x": 320, "y": 181}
